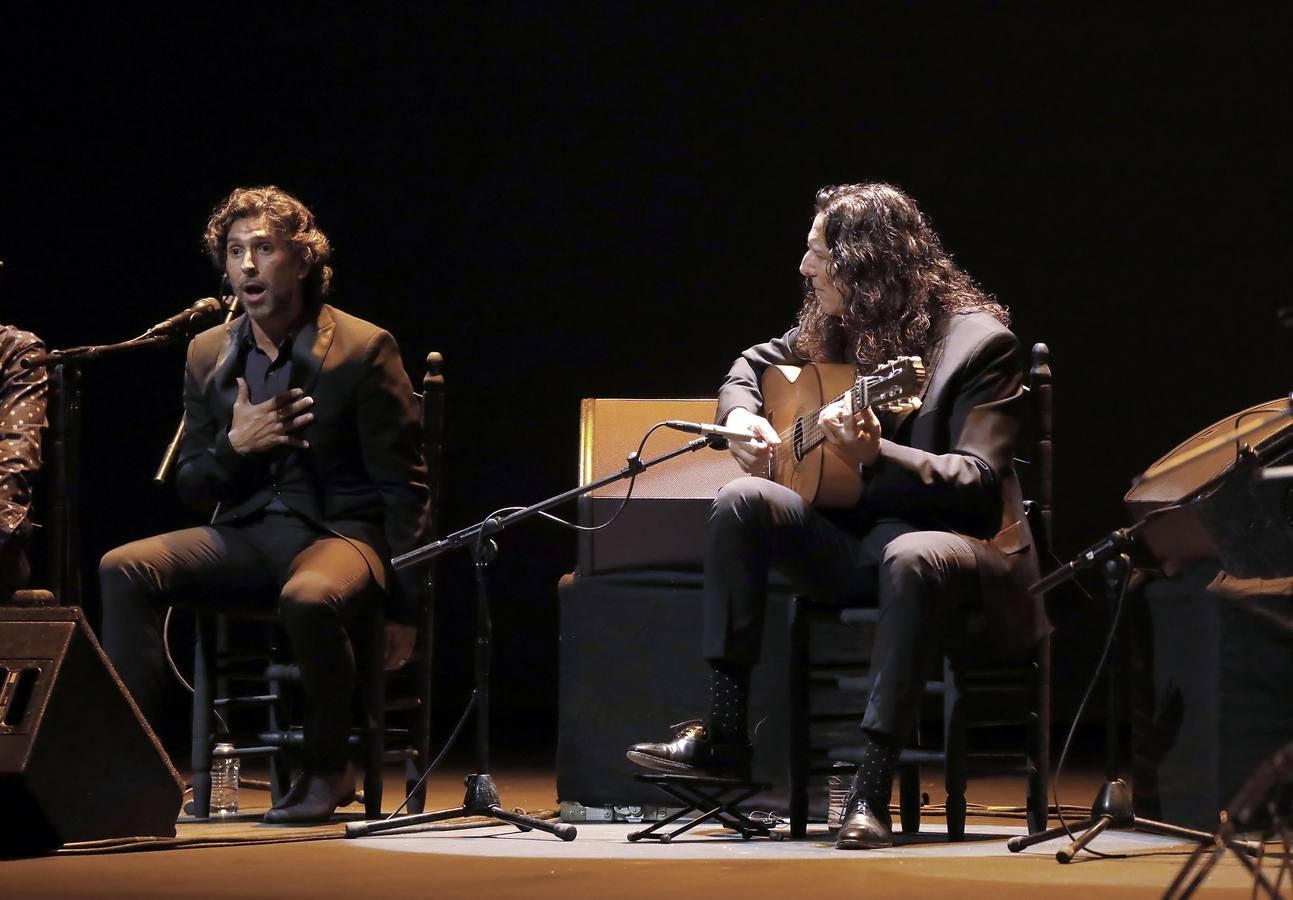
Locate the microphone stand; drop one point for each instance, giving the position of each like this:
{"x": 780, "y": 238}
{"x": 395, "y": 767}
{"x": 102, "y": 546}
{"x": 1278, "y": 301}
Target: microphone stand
{"x": 81, "y": 355}
{"x": 482, "y": 798}
{"x": 64, "y": 450}
{"x": 173, "y": 448}
{"x": 1113, "y": 806}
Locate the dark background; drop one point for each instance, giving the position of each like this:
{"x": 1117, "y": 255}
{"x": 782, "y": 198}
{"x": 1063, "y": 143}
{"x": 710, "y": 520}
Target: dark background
{"x": 609, "y": 200}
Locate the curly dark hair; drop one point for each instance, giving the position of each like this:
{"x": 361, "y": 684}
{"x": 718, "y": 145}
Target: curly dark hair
{"x": 287, "y": 216}
{"x": 895, "y": 276}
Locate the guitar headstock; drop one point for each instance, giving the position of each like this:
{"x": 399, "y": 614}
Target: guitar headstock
{"x": 893, "y": 387}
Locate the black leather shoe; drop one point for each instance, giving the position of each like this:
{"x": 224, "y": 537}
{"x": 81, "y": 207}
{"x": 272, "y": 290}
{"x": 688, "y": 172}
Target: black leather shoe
{"x": 319, "y": 800}
{"x": 691, "y": 752}
{"x": 865, "y": 826}
{"x": 295, "y": 794}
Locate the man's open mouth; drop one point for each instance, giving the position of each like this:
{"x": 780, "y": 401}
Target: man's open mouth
{"x": 253, "y": 290}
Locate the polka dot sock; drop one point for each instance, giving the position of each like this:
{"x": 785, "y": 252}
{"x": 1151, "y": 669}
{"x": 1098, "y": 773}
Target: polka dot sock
{"x": 874, "y": 778}
{"x": 729, "y": 701}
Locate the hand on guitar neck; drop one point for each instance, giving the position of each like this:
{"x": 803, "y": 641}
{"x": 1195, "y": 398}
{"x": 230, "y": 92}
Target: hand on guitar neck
{"x": 754, "y": 457}
{"x": 855, "y": 437}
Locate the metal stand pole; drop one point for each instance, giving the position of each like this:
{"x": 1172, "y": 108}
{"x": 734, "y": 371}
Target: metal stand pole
{"x": 482, "y": 798}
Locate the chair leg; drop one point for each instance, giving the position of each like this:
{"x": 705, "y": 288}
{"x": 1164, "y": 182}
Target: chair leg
{"x": 417, "y": 766}
{"x": 280, "y": 770}
{"x": 799, "y": 728}
{"x": 203, "y": 655}
{"x": 909, "y": 797}
{"x": 954, "y": 751}
{"x": 1039, "y": 739}
{"x": 374, "y": 718}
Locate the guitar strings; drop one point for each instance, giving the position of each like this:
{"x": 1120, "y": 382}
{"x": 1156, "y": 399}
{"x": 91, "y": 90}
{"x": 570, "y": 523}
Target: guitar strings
{"x": 813, "y": 436}
{"x": 812, "y": 430}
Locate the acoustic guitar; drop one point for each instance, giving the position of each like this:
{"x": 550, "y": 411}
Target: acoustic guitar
{"x": 792, "y": 399}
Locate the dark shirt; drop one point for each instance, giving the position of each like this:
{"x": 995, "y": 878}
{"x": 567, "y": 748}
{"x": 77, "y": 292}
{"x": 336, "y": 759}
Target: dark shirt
{"x": 268, "y": 378}
{"x": 22, "y": 416}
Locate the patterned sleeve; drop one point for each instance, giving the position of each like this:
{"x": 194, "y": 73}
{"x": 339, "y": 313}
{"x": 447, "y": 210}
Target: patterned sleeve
{"x": 22, "y": 417}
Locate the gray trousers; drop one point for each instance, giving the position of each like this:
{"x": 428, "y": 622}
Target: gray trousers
{"x": 917, "y": 579}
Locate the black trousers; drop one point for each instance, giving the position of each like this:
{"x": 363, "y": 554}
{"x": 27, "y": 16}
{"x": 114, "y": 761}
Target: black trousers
{"x": 918, "y": 579}
{"x": 320, "y": 582}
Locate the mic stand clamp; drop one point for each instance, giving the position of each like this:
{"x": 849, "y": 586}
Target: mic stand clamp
{"x": 482, "y": 797}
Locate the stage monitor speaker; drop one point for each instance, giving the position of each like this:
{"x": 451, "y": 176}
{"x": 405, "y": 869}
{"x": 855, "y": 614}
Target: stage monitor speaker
{"x": 1245, "y": 523}
{"x": 663, "y": 526}
{"x": 77, "y": 760}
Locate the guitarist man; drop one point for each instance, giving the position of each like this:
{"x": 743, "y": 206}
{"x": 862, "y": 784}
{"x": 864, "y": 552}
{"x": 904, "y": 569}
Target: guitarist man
{"x": 940, "y": 523}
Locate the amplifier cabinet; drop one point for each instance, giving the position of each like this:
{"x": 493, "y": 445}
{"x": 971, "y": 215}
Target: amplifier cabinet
{"x": 663, "y": 526}
{"x": 1215, "y": 691}
{"x": 631, "y": 665}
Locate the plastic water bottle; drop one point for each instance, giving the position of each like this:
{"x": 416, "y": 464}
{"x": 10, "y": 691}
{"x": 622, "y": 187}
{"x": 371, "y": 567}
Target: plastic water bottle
{"x": 224, "y": 781}
{"x": 838, "y": 785}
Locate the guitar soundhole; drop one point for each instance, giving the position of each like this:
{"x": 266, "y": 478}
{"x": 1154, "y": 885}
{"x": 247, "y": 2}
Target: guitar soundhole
{"x": 799, "y": 440}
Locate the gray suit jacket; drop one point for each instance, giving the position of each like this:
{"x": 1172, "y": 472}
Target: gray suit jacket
{"x": 950, "y": 466}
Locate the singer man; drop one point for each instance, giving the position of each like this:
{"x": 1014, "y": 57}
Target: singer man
{"x": 300, "y": 424}
{"x": 22, "y": 416}
{"x": 939, "y": 523}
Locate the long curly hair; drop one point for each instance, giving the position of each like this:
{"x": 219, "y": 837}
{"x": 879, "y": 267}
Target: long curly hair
{"x": 896, "y": 279}
{"x": 287, "y": 216}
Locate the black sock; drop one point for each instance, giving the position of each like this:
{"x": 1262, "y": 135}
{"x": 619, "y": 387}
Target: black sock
{"x": 729, "y": 700}
{"x": 874, "y": 778}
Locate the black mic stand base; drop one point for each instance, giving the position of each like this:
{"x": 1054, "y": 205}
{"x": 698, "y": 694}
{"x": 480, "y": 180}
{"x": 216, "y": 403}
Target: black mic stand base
{"x": 482, "y": 794}
{"x": 1112, "y": 808}
{"x": 481, "y": 799}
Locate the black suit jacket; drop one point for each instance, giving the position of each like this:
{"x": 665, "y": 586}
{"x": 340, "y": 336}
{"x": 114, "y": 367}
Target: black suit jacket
{"x": 364, "y": 474}
{"x": 950, "y": 466}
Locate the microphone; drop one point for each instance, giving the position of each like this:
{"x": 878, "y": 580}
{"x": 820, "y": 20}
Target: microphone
{"x": 207, "y": 306}
{"x": 709, "y": 430}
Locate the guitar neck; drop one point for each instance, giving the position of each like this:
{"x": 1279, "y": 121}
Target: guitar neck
{"x": 813, "y": 436}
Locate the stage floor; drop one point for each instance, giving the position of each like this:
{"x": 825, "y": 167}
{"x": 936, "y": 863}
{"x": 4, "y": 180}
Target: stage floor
{"x": 502, "y": 862}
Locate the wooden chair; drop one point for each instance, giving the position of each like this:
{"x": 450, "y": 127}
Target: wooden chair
{"x": 979, "y": 695}
{"x": 220, "y": 666}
